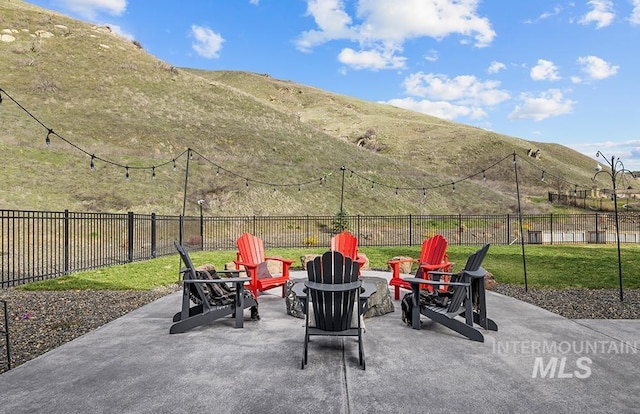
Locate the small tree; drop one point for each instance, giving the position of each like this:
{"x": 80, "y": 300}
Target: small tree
{"x": 340, "y": 222}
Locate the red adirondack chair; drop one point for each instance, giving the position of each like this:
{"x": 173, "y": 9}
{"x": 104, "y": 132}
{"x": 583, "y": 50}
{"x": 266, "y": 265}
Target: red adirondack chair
{"x": 251, "y": 256}
{"x": 432, "y": 257}
{"x": 347, "y": 244}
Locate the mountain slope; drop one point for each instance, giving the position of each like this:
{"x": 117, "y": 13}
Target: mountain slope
{"x": 260, "y": 145}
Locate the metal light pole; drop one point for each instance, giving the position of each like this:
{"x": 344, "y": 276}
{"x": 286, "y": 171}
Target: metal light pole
{"x": 617, "y": 169}
{"x": 524, "y": 260}
{"x": 200, "y": 203}
{"x": 343, "y": 168}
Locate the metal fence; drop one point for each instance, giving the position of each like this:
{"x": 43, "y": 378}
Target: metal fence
{"x": 5, "y": 350}
{"x": 39, "y": 245}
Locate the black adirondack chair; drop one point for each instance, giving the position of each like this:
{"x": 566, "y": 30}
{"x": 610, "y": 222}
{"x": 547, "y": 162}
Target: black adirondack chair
{"x": 334, "y": 290}
{"x": 197, "y": 308}
{"x": 464, "y": 285}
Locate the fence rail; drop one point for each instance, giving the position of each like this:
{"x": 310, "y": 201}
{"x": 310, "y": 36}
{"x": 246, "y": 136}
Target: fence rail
{"x": 39, "y": 245}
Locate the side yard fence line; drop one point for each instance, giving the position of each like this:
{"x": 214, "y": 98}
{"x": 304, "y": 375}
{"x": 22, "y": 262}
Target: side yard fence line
{"x": 38, "y": 245}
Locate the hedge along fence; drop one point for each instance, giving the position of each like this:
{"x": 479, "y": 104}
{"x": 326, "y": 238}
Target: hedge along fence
{"x": 39, "y": 245}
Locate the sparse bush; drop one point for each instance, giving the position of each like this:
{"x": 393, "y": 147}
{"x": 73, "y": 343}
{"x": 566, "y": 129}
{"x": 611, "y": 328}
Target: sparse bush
{"x": 340, "y": 222}
{"x": 137, "y": 44}
{"x": 45, "y": 85}
{"x": 310, "y": 241}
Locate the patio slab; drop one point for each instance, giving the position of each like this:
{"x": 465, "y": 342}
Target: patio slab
{"x": 536, "y": 362}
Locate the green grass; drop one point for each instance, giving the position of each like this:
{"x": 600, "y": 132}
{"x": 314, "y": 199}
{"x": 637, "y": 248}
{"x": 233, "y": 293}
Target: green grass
{"x": 557, "y": 266}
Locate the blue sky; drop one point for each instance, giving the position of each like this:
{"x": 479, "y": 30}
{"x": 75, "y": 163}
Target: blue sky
{"x": 550, "y": 71}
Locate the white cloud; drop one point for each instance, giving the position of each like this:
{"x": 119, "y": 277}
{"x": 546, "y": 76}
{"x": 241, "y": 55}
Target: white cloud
{"x": 450, "y": 98}
{"x": 544, "y": 70}
{"x": 91, "y": 8}
{"x": 635, "y": 14}
{"x": 433, "y": 55}
{"x": 627, "y": 151}
{"x": 441, "y": 109}
{"x": 556, "y": 11}
{"x": 496, "y": 67}
{"x": 331, "y": 20}
{"x": 464, "y": 89}
{"x": 601, "y": 13}
{"x": 371, "y": 59}
{"x": 385, "y": 26}
{"x": 597, "y": 68}
{"x": 208, "y": 43}
{"x": 547, "y": 104}
{"x": 254, "y": 2}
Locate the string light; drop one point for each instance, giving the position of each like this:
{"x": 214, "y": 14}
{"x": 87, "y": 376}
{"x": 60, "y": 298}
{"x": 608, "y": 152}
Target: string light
{"x": 484, "y": 176}
{"x": 153, "y": 173}
{"x": 190, "y": 154}
{"x": 247, "y": 183}
{"x": 424, "y": 193}
{"x": 453, "y": 187}
{"x": 127, "y": 172}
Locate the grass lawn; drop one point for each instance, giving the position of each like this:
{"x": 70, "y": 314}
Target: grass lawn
{"x": 557, "y": 266}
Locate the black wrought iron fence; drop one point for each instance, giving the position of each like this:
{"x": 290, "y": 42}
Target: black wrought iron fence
{"x": 39, "y": 245}
{"x": 5, "y": 349}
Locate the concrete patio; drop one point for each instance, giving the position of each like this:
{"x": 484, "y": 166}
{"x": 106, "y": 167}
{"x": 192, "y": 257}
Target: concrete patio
{"x": 536, "y": 362}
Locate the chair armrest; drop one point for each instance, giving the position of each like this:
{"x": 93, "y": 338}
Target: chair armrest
{"x": 280, "y": 259}
{"x": 248, "y": 265}
{"x": 339, "y": 287}
{"x": 442, "y": 273}
{"x": 480, "y": 273}
{"x": 225, "y": 280}
{"x": 417, "y": 280}
{"x": 429, "y": 266}
{"x": 390, "y": 262}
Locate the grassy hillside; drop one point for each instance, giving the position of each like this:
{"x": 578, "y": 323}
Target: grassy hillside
{"x": 110, "y": 98}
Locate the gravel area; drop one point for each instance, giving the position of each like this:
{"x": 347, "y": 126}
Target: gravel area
{"x": 42, "y": 321}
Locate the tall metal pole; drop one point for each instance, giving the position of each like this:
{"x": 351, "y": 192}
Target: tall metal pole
{"x": 186, "y": 182}
{"x": 343, "y": 168}
{"x": 524, "y": 260}
{"x": 615, "y": 208}
{"x": 616, "y": 168}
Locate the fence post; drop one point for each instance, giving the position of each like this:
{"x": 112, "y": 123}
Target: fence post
{"x": 130, "y": 236}
{"x": 508, "y": 230}
{"x": 551, "y": 226}
{"x": 153, "y": 236}
{"x": 66, "y": 242}
{"x": 6, "y": 333}
{"x": 181, "y": 229}
{"x": 410, "y": 230}
{"x": 597, "y": 238}
{"x": 253, "y": 231}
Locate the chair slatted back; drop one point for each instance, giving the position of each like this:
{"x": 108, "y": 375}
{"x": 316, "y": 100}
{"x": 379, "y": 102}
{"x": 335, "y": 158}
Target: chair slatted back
{"x": 333, "y": 311}
{"x": 189, "y": 273}
{"x": 475, "y": 260}
{"x": 434, "y": 249}
{"x": 345, "y": 243}
{"x": 473, "y": 263}
{"x": 250, "y": 248}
